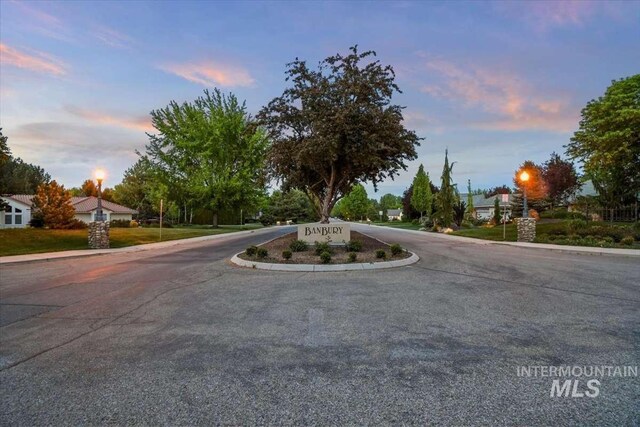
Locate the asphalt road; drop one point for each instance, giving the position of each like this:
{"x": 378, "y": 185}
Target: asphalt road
{"x": 181, "y": 337}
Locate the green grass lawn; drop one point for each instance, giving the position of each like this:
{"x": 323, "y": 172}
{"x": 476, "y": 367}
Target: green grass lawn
{"x": 398, "y": 224}
{"x": 35, "y": 240}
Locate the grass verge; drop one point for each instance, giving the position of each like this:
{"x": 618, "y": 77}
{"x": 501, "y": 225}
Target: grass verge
{"x": 23, "y": 241}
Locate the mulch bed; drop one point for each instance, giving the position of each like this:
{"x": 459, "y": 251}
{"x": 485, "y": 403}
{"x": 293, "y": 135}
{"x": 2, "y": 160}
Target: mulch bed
{"x": 339, "y": 255}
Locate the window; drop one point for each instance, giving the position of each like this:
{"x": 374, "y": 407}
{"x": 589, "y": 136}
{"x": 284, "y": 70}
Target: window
{"x": 18, "y": 219}
{"x": 8, "y": 209}
{"x": 8, "y": 219}
{"x": 18, "y": 210}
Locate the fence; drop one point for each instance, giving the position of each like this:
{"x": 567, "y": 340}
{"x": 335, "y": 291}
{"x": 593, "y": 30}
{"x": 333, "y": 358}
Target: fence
{"x": 617, "y": 214}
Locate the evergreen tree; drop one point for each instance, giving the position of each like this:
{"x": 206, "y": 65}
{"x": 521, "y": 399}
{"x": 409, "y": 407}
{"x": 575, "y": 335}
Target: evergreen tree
{"x": 470, "y": 211}
{"x": 446, "y": 197}
{"x": 497, "y": 217}
{"x": 422, "y": 197}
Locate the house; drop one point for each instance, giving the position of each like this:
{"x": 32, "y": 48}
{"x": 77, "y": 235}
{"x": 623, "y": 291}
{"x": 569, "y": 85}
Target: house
{"x": 18, "y": 213}
{"x": 394, "y": 214}
{"x": 484, "y": 206}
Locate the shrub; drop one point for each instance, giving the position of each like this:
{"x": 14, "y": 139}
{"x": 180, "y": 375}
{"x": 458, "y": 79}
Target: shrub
{"x": 267, "y": 219}
{"x": 286, "y": 254}
{"x": 133, "y": 224}
{"x": 298, "y": 246}
{"x": 251, "y": 250}
{"x": 37, "y": 222}
{"x": 426, "y": 222}
{"x": 325, "y": 257}
{"x": 381, "y": 254}
{"x": 74, "y": 224}
{"x": 627, "y": 241}
{"x": 262, "y": 253}
{"x": 576, "y": 225}
{"x": 353, "y": 246}
{"x": 119, "y": 223}
{"x": 616, "y": 233}
{"x": 322, "y": 247}
{"x": 608, "y": 239}
{"x": 352, "y": 256}
{"x": 396, "y": 249}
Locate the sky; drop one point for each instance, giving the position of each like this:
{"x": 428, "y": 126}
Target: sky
{"x": 495, "y": 83}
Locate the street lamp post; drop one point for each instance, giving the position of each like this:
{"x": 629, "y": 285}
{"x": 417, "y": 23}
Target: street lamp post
{"x": 99, "y": 178}
{"x": 524, "y": 177}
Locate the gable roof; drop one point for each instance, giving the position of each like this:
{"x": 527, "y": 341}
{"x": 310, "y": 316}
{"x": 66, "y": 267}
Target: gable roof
{"x": 394, "y": 212}
{"x": 479, "y": 201}
{"x": 80, "y": 204}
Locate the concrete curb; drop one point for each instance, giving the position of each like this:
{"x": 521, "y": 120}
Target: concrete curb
{"x": 52, "y": 256}
{"x": 584, "y": 250}
{"x": 317, "y": 268}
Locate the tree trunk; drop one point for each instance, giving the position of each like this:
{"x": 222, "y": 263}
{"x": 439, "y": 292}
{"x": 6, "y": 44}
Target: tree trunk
{"x": 215, "y": 220}
{"x": 191, "y": 217}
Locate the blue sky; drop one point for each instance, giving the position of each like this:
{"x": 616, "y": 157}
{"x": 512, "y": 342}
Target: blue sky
{"x": 495, "y": 82}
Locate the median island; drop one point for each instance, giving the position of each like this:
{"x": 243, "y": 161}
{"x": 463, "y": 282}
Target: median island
{"x": 289, "y": 250}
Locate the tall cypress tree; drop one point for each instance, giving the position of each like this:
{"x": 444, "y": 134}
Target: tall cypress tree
{"x": 422, "y": 198}
{"x": 469, "y": 214}
{"x": 447, "y": 197}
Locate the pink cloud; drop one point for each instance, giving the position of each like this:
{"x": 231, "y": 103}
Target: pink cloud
{"x": 512, "y": 102}
{"x": 142, "y": 123}
{"x": 112, "y": 37}
{"x": 38, "y": 61}
{"x": 211, "y": 74}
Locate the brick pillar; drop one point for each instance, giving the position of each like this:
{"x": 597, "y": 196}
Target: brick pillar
{"x": 526, "y": 229}
{"x": 99, "y": 235}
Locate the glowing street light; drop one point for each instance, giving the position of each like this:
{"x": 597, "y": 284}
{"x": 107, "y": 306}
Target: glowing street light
{"x": 524, "y": 177}
{"x": 99, "y": 177}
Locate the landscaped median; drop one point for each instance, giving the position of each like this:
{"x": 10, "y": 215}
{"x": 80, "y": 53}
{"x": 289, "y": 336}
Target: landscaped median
{"x": 286, "y": 253}
{"x": 21, "y": 241}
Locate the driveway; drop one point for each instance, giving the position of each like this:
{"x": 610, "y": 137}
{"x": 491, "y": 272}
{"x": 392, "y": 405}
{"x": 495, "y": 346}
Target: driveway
{"x": 178, "y": 336}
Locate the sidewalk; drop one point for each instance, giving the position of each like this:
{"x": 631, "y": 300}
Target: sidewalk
{"x": 48, "y": 256}
{"x": 560, "y": 248}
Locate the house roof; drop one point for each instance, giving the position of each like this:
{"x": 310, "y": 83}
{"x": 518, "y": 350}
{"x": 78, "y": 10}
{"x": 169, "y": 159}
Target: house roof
{"x": 394, "y": 212}
{"x": 479, "y": 201}
{"x": 80, "y": 204}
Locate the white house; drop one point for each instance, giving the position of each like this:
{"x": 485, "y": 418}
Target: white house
{"x": 18, "y": 214}
{"x": 484, "y": 206}
{"x": 394, "y": 214}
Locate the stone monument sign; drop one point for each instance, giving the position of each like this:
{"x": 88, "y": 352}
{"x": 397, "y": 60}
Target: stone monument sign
{"x": 335, "y": 233}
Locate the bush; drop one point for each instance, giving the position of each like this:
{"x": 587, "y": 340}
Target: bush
{"x": 120, "y": 223}
{"x": 251, "y": 250}
{"x": 325, "y": 257}
{"x": 322, "y": 247}
{"x": 262, "y": 253}
{"x": 267, "y": 219}
{"x": 426, "y": 222}
{"x": 616, "y": 233}
{"x": 286, "y": 254}
{"x": 298, "y": 246}
{"x": 396, "y": 249}
{"x": 353, "y": 246}
{"x": 133, "y": 224}
{"x": 74, "y": 224}
{"x": 562, "y": 213}
{"x": 352, "y": 257}
{"x": 576, "y": 225}
{"x": 381, "y": 254}
{"x": 36, "y": 222}
{"x": 627, "y": 241}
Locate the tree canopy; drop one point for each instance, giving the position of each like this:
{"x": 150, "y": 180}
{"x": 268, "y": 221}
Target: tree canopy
{"x": 16, "y": 176}
{"x": 608, "y": 141}
{"x": 52, "y": 204}
{"x": 209, "y": 152}
{"x": 335, "y": 127}
{"x": 447, "y": 196}
{"x": 561, "y": 179}
{"x": 422, "y": 198}
{"x": 356, "y": 204}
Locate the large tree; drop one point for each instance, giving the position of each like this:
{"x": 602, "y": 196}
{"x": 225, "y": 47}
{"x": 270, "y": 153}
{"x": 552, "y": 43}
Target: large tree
{"x": 52, "y": 203}
{"x": 608, "y": 141}
{"x": 134, "y": 190}
{"x": 335, "y": 127}
{"x": 210, "y": 152}
{"x": 422, "y": 198}
{"x": 535, "y": 188}
{"x": 390, "y": 201}
{"x": 16, "y": 176}
{"x": 561, "y": 179}
{"x": 355, "y": 205}
{"x": 447, "y": 196}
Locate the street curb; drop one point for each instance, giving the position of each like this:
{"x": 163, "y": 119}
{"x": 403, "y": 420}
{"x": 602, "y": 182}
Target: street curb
{"x": 317, "y": 268}
{"x": 582, "y": 250}
{"x": 54, "y": 256}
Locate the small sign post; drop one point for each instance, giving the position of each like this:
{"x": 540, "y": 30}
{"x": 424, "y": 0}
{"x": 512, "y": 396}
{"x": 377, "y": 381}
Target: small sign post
{"x": 505, "y": 200}
{"x": 161, "y": 220}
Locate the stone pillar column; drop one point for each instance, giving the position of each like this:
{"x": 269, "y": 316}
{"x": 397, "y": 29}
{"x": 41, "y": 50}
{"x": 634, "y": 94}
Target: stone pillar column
{"x": 99, "y": 235}
{"x": 526, "y": 229}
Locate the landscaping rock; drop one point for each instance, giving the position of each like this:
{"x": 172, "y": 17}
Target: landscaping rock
{"x": 99, "y": 235}
{"x": 526, "y": 229}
